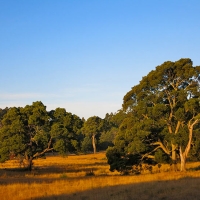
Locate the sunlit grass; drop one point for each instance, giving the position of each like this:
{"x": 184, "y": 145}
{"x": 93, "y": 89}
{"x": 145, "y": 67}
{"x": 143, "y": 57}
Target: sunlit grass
{"x": 67, "y": 178}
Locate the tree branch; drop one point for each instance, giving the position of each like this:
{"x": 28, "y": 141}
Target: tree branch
{"x": 147, "y": 155}
{"x": 177, "y": 127}
{"x": 42, "y": 153}
{"x": 160, "y": 145}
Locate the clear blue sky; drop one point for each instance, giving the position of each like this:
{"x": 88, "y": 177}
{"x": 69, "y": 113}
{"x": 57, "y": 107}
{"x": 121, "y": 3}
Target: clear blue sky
{"x": 85, "y": 55}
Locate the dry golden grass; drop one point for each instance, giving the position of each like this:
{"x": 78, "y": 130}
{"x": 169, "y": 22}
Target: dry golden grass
{"x": 65, "y": 178}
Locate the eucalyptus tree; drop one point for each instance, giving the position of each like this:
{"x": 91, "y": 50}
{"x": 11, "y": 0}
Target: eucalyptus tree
{"x": 24, "y": 132}
{"x": 164, "y": 113}
{"x": 66, "y": 131}
{"x": 30, "y": 132}
{"x": 92, "y": 128}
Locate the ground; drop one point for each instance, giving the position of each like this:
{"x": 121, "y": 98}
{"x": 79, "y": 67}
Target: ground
{"x": 87, "y": 177}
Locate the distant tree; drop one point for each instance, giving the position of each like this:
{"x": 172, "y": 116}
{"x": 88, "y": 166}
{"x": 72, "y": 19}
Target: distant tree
{"x": 92, "y": 128}
{"x": 111, "y": 128}
{"x": 106, "y": 138}
{"x": 66, "y": 131}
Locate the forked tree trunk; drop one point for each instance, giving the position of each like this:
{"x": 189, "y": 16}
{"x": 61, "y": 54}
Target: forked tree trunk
{"x": 93, "y": 144}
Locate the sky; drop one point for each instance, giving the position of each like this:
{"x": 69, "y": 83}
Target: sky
{"x": 85, "y": 55}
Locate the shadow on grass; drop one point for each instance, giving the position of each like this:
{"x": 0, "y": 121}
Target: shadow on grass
{"x": 195, "y": 168}
{"x": 185, "y": 188}
{"x": 21, "y": 175}
{"x": 4, "y": 180}
{"x": 52, "y": 169}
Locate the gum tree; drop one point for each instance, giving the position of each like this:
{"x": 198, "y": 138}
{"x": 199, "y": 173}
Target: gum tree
{"x": 25, "y": 132}
{"x": 65, "y": 131}
{"x": 164, "y": 113}
{"x": 30, "y": 132}
{"x": 92, "y": 128}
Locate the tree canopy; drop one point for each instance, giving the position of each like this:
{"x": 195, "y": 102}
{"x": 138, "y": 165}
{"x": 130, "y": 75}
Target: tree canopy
{"x": 31, "y": 131}
{"x": 163, "y": 115}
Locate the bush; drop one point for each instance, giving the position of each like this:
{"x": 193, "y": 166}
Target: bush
{"x": 122, "y": 162}
{"x": 90, "y": 173}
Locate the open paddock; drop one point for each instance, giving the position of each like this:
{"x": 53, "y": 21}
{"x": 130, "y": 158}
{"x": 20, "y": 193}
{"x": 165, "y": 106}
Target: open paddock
{"x": 87, "y": 177}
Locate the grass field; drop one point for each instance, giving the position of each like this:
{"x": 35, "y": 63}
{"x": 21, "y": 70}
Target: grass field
{"x": 87, "y": 177}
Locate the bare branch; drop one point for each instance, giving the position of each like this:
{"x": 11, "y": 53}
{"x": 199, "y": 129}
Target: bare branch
{"x": 147, "y": 155}
{"x": 42, "y": 153}
{"x": 177, "y": 127}
{"x": 160, "y": 145}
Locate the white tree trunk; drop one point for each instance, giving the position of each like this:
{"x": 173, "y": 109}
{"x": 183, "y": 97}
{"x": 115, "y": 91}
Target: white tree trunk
{"x": 174, "y": 158}
{"x": 93, "y": 144}
{"x": 183, "y": 161}
{"x": 183, "y": 155}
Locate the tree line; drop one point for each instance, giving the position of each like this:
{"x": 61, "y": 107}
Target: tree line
{"x": 30, "y": 132}
{"x": 158, "y": 123}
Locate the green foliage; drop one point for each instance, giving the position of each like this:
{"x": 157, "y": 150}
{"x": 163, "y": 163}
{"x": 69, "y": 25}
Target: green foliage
{"x": 93, "y": 126}
{"x": 120, "y": 161}
{"x": 86, "y": 144}
{"x": 31, "y": 131}
{"x": 65, "y": 131}
{"x": 161, "y": 157}
{"x": 63, "y": 176}
{"x": 162, "y": 110}
{"x": 106, "y": 139}
{"x": 60, "y": 146}
{"x": 12, "y": 134}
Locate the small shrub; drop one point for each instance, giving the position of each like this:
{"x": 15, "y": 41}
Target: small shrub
{"x": 63, "y": 176}
{"x": 90, "y": 173}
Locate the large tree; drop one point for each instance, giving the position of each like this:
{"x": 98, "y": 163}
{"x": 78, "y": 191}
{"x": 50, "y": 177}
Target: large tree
{"x": 164, "y": 113}
{"x": 24, "y": 132}
{"x": 31, "y": 131}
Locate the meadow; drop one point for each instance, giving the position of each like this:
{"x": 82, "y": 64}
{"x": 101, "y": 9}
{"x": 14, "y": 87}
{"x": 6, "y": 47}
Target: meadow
{"x": 87, "y": 177}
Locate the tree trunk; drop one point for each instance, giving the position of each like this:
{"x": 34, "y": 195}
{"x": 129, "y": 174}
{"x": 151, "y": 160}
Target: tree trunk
{"x": 183, "y": 160}
{"x": 93, "y": 144}
{"x": 174, "y": 158}
{"x": 183, "y": 155}
{"x": 30, "y": 163}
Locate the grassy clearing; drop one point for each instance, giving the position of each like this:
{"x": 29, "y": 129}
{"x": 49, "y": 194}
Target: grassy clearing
{"x": 87, "y": 177}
